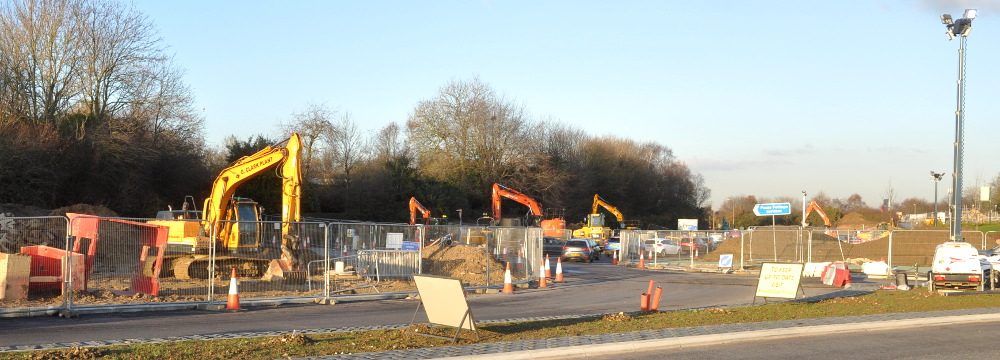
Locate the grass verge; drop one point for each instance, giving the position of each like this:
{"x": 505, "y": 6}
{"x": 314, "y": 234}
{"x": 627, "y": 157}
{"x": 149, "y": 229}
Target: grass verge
{"x": 290, "y": 346}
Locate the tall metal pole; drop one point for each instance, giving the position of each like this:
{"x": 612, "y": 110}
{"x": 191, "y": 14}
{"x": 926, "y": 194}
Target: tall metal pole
{"x": 935, "y": 202}
{"x": 956, "y": 202}
{"x": 803, "y": 209}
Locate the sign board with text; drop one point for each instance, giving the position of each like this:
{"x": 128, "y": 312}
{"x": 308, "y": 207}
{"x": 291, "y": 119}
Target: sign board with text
{"x": 779, "y": 280}
{"x": 772, "y": 209}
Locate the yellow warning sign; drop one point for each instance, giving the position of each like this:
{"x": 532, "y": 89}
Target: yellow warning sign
{"x": 779, "y": 280}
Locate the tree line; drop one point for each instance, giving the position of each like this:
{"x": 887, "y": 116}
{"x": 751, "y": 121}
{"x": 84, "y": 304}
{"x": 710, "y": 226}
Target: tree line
{"x": 93, "y": 110}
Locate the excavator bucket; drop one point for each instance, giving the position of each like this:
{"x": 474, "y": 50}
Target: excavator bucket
{"x": 281, "y": 270}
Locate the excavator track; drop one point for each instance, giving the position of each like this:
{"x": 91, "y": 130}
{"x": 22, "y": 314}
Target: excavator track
{"x": 197, "y": 267}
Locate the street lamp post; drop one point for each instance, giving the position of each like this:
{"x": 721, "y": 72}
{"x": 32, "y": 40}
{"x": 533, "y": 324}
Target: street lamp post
{"x": 935, "y": 177}
{"x": 958, "y": 28}
{"x": 803, "y": 209}
{"x": 732, "y": 208}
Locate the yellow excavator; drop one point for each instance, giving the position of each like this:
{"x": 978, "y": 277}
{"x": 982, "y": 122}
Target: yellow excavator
{"x": 233, "y": 221}
{"x": 594, "y": 225}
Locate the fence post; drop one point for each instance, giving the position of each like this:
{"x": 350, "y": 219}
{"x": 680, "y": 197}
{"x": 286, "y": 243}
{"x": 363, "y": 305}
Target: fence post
{"x": 889, "y": 253}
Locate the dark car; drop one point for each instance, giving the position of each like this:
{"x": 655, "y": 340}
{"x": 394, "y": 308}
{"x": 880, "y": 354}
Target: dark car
{"x": 581, "y": 249}
{"x": 552, "y": 246}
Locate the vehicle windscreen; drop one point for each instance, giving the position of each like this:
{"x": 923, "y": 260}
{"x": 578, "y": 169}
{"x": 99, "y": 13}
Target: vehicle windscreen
{"x": 576, "y": 243}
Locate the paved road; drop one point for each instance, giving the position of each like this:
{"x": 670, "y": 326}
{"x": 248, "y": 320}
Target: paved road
{"x": 590, "y": 289}
{"x": 961, "y": 341}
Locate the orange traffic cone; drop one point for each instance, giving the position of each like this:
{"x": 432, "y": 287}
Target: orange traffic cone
{"x": 508, "y": 286}
{"x": 541, "y": 278}
{"x": 548, "y": 267}
{"x": 614, "y": 259}
{"x": 642, "y": 261}
{"x": 233, "y": 304}
{"x": 559, "y": 274}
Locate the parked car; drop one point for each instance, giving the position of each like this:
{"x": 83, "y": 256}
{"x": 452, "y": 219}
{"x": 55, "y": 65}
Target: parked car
{"x": 704, "y": 245}
{"x": 552, "y": 246}
{"x": 581, "y": 249}
{"x": 662, "y": 246}
{"x": 613, "y": 244}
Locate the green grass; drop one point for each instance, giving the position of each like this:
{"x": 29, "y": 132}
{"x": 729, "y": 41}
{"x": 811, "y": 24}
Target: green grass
{"x": 382, "y": 340}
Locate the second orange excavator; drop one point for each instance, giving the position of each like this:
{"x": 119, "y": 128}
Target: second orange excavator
{"x": 417, "y": 207}
{"x": 552, "y": 227}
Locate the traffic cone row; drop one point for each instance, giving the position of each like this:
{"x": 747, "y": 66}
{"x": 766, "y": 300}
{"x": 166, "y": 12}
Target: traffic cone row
{"x": 233, "y": 303}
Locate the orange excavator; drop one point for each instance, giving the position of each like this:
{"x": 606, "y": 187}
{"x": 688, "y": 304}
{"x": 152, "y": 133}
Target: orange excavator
{"x": 417, "y": 207}
{"x": 813, "y": 206}
{"x": 552, "y": 227}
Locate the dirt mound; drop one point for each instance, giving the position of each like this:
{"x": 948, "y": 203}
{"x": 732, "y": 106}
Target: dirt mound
{"x": 88, "y": 209}
{"x": 854, "y": 221}
{"x": 466, "y": 263}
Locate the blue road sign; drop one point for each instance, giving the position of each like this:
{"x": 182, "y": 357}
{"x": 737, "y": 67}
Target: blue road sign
{"x": 726, "y": 261}
{"x": 772, "y": 209}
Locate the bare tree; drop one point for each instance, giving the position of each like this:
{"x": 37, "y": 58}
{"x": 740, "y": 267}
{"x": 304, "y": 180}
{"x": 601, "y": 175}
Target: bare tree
{"x": 348, "y": 146}
{"x": 889, "y": 195}
{"x": 470, "y": 135}
{"x": 388, "y": 143}
{"x": 121, "y": 54}
{"x": 313, "y": 125}
{"x": 41, "y": 39}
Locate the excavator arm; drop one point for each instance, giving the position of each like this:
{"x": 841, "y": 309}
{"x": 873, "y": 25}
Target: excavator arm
{"x": 500, "y": 192}
{"x": 813, "y": 206}
{"x": 284, "y": 156}
{"x": 416, "y": 206}
{"x": 599, "y": 202}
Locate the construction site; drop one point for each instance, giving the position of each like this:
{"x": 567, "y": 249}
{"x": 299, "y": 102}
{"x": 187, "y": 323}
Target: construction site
{"x": 86, "y": 255}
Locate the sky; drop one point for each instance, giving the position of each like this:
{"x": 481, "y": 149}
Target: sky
{"x": 763, "y": 98}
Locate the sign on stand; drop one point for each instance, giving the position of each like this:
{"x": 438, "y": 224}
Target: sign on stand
{"x": 725, "y": 261}
{"x": 779, "y": 280}
{"x": 443, "y": 299}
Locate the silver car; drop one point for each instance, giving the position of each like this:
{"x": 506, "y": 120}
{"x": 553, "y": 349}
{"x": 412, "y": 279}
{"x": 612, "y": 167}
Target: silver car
{"x": 581, "y": 249}
{"x": 662, "y": 246}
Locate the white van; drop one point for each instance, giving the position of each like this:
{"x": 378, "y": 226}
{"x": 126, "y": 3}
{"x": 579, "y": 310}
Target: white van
{"x": 958, "y": 265}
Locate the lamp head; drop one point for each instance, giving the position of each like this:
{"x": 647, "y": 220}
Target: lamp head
{"x": 970, "y": 14}
{"x": 946, "y": 19}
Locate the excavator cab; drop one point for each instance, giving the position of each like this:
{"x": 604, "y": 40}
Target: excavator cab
{"x": 245, "y": 231}
{"x": 595, "y": 220}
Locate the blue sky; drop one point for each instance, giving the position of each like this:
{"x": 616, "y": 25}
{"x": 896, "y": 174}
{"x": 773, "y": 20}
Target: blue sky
{"x": 765, "y": 98}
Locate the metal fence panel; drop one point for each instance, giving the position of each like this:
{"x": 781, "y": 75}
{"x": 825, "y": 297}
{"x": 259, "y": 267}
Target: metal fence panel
{"x": 21, "y": 236}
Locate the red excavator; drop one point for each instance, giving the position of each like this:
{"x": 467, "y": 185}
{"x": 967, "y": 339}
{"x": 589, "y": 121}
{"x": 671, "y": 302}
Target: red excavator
{"x": 553, "y": 227}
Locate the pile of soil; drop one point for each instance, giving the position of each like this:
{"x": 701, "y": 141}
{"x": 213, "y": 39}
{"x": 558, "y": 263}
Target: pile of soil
{"x": 854, "y": 221}
{"x": 463, "y": 262}
{"x": 84, "y": 209}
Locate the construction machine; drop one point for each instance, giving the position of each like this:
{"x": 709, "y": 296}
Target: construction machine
{"x": 234, "y": 222}
{"x": 417, "y": 207}
{"x": 552, "y": 227}
{"x": 595, "y": 226}
{"x": 813, "y": 206}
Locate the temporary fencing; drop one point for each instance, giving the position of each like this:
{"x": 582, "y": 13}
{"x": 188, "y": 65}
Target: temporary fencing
{"x": 904, "y": 249}
{"x": 117, "y": 261}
